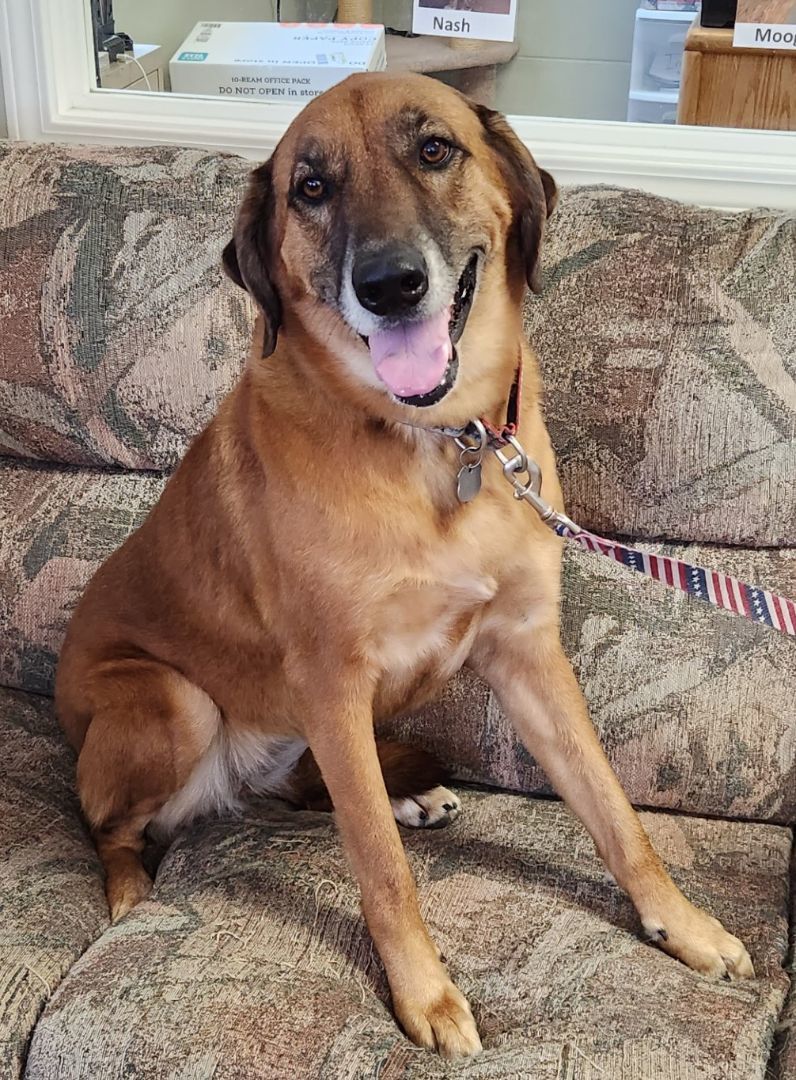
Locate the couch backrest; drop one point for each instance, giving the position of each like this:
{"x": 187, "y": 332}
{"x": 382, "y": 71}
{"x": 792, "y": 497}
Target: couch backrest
{"x": 667, "y": 336}
{"x": 119, "y": 335}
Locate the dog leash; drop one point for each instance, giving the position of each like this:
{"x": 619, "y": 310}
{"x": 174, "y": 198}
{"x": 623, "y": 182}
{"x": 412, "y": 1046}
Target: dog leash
{"x": 722, "y": 590}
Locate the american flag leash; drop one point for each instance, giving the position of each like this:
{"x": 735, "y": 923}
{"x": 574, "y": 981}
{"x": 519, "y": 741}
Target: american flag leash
{"x": 751, "y": 602}
{"x": 722, "y": 590}
{"x": 729, "y": 593}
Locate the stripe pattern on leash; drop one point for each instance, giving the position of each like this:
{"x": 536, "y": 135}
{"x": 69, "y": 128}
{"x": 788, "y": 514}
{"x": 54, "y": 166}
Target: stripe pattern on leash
{"x": 724, "y": 591}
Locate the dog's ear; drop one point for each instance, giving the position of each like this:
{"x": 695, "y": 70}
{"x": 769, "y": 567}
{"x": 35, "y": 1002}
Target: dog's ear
{"x": 532, "y": 191}
{"x": 250, "y": 254}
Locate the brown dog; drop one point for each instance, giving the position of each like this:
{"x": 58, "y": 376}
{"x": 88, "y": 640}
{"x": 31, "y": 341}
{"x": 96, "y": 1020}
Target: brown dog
{"x": 309, "y": 570}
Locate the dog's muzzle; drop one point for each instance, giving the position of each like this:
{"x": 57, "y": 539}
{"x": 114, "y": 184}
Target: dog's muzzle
{"x": 417, "y": 359}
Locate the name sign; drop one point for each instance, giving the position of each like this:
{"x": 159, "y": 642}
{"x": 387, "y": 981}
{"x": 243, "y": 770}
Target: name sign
{"x": 765, "y": 24}
{"x": 484, "y": 20}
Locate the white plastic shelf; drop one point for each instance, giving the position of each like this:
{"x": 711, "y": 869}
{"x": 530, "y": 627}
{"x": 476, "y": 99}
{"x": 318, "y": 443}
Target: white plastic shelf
{"x": 658, "y": 40}
{"x": 666, "y": 16}
{"x": 671, "y": 96}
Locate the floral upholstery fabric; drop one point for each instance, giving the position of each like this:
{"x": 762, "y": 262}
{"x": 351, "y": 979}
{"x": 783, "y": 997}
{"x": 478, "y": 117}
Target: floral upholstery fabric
{"x": 667, "y": 336}
{"x": 58, "y": 526}
{"x": 251, "y": 959}
{"x": 119, "y": 336}
{"x": 52, "y": 904}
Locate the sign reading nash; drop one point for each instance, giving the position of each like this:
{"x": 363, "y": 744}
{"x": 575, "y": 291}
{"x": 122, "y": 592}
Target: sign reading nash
{"x": 483, "y": 20}
{"x": 451, "y": 26}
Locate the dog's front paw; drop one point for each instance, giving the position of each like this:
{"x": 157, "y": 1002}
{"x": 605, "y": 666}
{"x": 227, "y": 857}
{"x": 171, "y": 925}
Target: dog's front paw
{"x": 432, "y": 810}
{"x": 700, "y": 942}
{"x": 441, "y": 1022}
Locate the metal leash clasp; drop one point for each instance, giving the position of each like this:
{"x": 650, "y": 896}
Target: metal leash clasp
{"x": 517, "y": 463}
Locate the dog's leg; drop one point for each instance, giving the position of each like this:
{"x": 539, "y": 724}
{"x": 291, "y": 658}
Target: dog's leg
{"x": 537, "y": 688}
{"x": 149, "y": 727}
{"x": 414, "y": 780}
{"x": 430, "y": 1008}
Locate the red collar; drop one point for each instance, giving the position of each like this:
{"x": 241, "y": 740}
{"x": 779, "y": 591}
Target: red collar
{"x": 499, "y": 436}
{"x": 496, "y": 435}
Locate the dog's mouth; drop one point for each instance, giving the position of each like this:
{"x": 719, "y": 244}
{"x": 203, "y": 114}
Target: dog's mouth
{"x": 418, "y": 361}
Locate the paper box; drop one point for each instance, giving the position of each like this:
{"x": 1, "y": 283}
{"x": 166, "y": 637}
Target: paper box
{"x": 267, "y": 61}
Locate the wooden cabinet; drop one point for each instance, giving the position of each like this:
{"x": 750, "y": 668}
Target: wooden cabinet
{"x": 741, "y": 88}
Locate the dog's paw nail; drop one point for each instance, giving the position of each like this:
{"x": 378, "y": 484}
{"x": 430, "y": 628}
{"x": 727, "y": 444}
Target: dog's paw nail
{"x": 661, "y": 933}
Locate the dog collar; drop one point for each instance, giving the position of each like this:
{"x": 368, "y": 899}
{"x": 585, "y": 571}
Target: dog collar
{"x": 499, "y": 436}
{"x": 480, "y": 435}
{"x": 483, "y": 430}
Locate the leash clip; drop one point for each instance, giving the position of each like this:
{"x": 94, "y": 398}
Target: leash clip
{"x": 530, "y": 490}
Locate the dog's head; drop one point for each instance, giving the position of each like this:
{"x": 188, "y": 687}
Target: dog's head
{"x": 396, "y": 223}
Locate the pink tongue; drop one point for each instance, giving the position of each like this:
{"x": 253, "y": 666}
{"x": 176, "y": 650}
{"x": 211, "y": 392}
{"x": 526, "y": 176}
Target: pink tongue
{"x": 411, "y": 359}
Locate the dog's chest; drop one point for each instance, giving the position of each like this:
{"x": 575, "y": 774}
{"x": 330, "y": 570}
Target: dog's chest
{"x": 427, "y": 627}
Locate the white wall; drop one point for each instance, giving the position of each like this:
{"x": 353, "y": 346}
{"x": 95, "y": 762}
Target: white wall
{"x": 574, "y": 59}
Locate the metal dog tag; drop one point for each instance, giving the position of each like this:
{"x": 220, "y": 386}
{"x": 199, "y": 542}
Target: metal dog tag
{"x": 472, "y": 444}
{"x": 468, "y": 481}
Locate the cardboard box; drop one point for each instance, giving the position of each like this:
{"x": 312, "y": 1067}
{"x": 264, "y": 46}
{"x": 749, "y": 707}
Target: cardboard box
{"x": 267, "y": 61}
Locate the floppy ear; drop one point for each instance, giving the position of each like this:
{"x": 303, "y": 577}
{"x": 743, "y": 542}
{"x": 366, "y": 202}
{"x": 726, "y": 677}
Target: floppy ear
{"x": 249, "y": 255}
{"x": 532, "y": 191}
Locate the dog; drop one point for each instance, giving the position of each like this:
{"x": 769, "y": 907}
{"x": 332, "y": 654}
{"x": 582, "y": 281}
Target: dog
{"x": 309, "y": 569}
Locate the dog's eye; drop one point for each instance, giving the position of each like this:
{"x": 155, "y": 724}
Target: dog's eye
{"x": 313, "y": 188}
{"x": 435, "y": 152}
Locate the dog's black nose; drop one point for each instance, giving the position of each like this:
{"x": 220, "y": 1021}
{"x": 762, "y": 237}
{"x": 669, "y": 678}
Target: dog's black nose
{"x": 391, "y": 280}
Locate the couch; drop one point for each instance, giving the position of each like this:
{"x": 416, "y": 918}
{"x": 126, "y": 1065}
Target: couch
{"x": 666, "y": 335}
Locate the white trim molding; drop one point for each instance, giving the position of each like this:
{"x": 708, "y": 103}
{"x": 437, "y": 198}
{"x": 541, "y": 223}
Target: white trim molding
{"x": 47, "y": 64}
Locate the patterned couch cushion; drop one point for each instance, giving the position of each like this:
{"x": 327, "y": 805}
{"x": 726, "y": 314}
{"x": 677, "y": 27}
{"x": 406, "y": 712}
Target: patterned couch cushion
{"x": 59, "y": 524}
{"x": 667, "y": 336}
{"x": 694, "y": 706}
{"x": 251, "y": 959}
{"x": 119, "y": 334}
{"x": 52, "y": 904}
